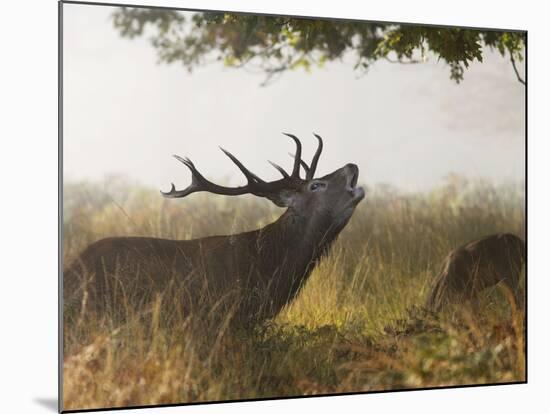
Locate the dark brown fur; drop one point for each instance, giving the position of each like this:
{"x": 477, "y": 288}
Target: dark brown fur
{"x": 269, "y": 266}
{"x": 477, "y": 265}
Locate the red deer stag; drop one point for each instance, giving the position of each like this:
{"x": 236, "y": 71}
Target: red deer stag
{"x": 261, "y": 271}
{"x": 478, "y": 265}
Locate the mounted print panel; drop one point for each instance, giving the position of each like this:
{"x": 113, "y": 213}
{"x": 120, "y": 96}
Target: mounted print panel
{"x": 260, "y": 207}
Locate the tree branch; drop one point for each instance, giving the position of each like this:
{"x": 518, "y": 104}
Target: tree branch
{"x": 516, "y": 69}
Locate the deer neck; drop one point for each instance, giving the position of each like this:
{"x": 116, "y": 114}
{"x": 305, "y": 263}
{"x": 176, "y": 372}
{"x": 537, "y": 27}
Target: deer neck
{"x": 289, "y": 249}
{"x": 299, "y": 240}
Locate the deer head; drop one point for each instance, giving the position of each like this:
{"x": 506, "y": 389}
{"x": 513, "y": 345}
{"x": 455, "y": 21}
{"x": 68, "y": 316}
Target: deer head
{"x": 326, "y": 202}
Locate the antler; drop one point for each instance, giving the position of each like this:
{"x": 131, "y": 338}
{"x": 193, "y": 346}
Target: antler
{"x": 311, "y": 173}
{"x": 297, "y": 157}
{"x": 199, "y": 183}
{"x": 280, "y": 169}
{"x": 302, "y": 163}
{"x": 255, "y": 185}
{"x": 310, "y": 170}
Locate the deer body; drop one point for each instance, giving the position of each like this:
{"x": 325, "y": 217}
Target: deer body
{"x": 477, "y": 265}
{"x": 253, "y": 274}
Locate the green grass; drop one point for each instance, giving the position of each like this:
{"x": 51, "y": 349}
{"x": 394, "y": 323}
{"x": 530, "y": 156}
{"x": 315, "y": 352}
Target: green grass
{"x": 356, "y": 326}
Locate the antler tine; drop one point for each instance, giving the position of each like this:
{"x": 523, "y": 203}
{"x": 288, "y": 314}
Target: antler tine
{"x": 297, "y": 157}
{"x": 280, "y": 169}
{"x": 302, "y": 163}
{"x": 173, "y": 193}
{"x": 199, "y": 183}
{"x": 250, "y": 176}
{"x": 311, "y": 173}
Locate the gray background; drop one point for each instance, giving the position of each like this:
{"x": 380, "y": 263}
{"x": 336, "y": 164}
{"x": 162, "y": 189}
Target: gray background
{"x": 406, "y": 125}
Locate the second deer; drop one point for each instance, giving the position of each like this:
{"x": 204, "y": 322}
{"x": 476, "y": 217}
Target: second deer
{"x": 477, "y": 265}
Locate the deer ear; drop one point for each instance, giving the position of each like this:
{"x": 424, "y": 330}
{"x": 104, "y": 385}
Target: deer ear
{"x": 284, "y": 198}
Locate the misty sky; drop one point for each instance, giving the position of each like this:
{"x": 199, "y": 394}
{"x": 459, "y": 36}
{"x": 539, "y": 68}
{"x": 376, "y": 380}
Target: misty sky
{"x": 407, "y": 125}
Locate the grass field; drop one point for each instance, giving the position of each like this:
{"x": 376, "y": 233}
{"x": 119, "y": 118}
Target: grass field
{"x": 358, "y": 325}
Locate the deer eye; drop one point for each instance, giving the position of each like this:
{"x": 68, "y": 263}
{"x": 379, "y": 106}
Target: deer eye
{"x": 317, "y": 186}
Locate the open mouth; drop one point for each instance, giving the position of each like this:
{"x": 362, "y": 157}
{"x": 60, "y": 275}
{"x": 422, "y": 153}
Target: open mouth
{"x": 357, "y": 192}
{"x": 354, "y": 179}
{"x": 352, "y": 176}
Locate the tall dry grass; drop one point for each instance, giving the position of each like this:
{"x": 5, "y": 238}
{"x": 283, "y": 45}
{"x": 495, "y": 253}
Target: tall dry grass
{"x": 356, "y": 326}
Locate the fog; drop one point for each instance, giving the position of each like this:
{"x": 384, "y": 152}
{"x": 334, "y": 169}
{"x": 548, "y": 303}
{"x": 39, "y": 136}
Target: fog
{"x": 405, "y": 125}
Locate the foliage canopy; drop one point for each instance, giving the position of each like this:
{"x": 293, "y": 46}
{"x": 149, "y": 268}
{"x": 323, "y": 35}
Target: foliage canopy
{"x": 273, "y": 45}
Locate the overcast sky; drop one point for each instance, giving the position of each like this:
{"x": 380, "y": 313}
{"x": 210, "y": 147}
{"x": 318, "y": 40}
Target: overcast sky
{"x": 407, "y": 125}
